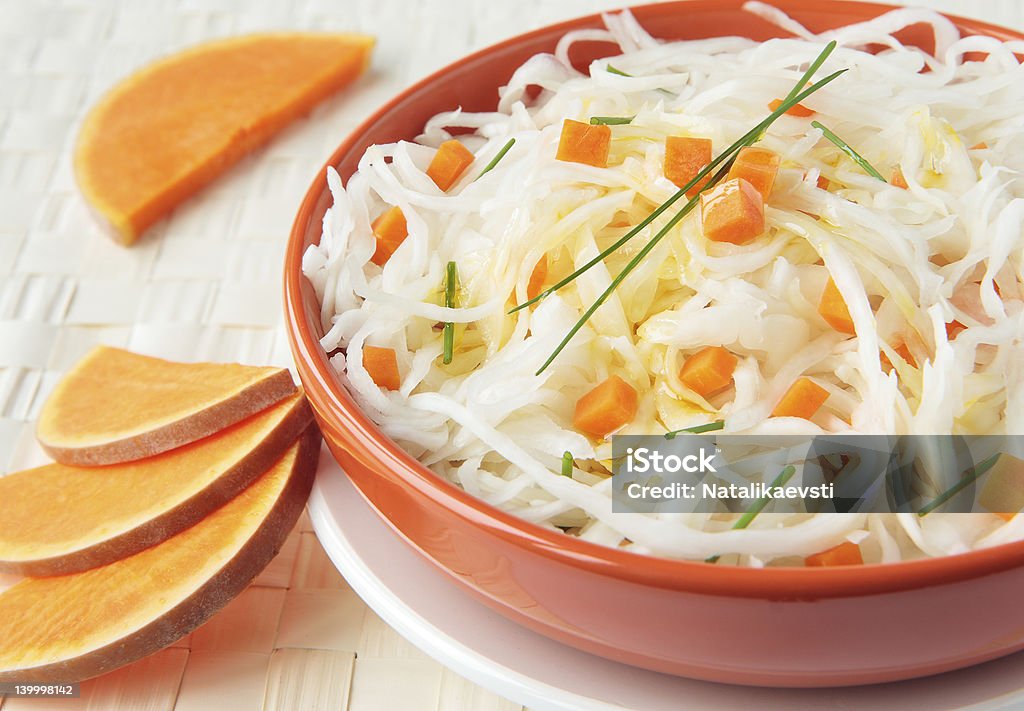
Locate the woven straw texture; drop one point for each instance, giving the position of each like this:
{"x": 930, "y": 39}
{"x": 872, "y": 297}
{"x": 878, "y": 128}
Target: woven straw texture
{"x": 204, "y": 285}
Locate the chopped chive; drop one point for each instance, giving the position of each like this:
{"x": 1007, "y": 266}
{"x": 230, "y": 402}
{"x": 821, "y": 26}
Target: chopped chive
{"x": 726, "y": 157}
{"x": 495, "y": 159}
{"x": 746, "y": 139}
{"x": 848, "y": 150}
{"x": 610, "y": 120}
{"x": 697, "y": 429}
{"x": 758, "y": 506}
{"x": 970, "y": 476}
{"x": 762, "y": 501}
{"x": 567, "y": 463}
{"x": 451, "y": 280}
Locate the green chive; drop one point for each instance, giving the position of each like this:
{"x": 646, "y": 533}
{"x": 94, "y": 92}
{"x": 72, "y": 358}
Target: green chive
{"x": 567, "y": 464}
{"x": 495, "y": 159}
{"x": 451, "y": 280}
{"x": 743, "y": 141}
{"x": 727, "y": 157}
{"x": 612, "y": 70}
{"x": 969, "y": 476}
{"x": 848, "y": 150}
{"x": 758, "y": 506}
{"x": 610, "y": 120}
{"x": 697, "y": 429}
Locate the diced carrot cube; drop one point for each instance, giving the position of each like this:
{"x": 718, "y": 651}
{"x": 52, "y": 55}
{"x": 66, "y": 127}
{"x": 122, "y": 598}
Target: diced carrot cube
{"x": 449, "y": 163}
{"x": 794, "y": 110}
{"x": 822, "y": 182}
{"x": 732, "y": 211}
{"x": 953, "y": 329}
{"x": 537, "y": 278}
{"x": 845, "y": 553}
{"x": 897, "y": 179}
{"x": 979, "y": 146}
{"x": 833, "y": 309}
{"x": 758, "y": 166}
{"x": 584, "y": 143}
{"x": 803, "y": 399}
{"x": 684, "y": 158}
{"x": 606, "y": 408}
{"x": 390, "y": 230}
{"x": 709, "y": 370}
{"x": 382, "y": 365}
{"x": 1003, "y": 490}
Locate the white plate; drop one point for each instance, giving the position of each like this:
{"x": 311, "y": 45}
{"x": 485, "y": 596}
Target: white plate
{"x": 429, "y": 610}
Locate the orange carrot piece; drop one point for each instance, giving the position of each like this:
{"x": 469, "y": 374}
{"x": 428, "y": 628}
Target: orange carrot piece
{"x": 758, "y": 166}
{"x": 833, "y": 309}
{"x": 684, "y": 158}
{"x": 903, "y": 352}
{"x": 794, "y": 110}
{"x": 803, "y": 399}
{"x": 953, "y": 329}
{"x": 584, "y": 143}
{"x": 897, "y": 178}
{"x": 390, "y": 230}
{"x": 709, "y": 370}
{"x": 537, "y": 278}
{"x": 979, "y": 146}
{"x": 382, "y": 365}
{"x": 732, "y": 211}
{"x": 606, "y": 408}
{"x": 449, "y": 163}
{"x": 845, "y": 553}
{"x": 823, "y": 182}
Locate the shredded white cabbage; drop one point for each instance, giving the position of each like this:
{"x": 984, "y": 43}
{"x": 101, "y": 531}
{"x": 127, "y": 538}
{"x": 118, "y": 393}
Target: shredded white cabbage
{"x": 906, "y": 261}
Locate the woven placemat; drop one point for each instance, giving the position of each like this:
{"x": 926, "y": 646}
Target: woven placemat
{"x": 205, "y": 285}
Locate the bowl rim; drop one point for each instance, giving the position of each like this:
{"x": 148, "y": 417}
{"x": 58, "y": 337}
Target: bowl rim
{"x": 333, "y": 404}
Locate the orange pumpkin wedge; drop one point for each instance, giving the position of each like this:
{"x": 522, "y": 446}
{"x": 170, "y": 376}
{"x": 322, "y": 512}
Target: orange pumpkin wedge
{"x": 117, "y": 406}
{"x": 163, "y": 133}
{"x": 68, "y": 519}
{"x": 72, "y": 627}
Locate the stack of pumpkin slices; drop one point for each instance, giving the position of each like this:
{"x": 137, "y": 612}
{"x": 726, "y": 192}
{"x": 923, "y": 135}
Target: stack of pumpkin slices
{"x": 175, "y": 485}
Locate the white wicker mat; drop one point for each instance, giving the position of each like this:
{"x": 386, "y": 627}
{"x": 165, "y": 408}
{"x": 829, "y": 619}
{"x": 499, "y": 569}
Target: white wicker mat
{"x": 206, "y": 285}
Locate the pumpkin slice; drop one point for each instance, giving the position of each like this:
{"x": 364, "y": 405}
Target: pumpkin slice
{"x": 117, "y": 406}
{"x": 172, "y": 127}
{"x": 69, "y": 519}
{"x": 73, "y": 627}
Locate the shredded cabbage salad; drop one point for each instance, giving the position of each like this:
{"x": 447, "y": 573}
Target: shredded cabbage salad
{"x": 907, "y": 262}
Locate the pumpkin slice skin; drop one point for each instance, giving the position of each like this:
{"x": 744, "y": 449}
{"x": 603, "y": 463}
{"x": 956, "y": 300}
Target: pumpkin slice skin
{"x": 74, "y": 627}
{"x": 167, "y": 130}
{"x": 117, "y": 406}
{"x": 69, "y": 519}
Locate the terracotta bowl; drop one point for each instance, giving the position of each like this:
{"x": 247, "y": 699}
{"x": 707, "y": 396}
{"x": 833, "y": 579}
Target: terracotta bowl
{"x": 779, "y": 627}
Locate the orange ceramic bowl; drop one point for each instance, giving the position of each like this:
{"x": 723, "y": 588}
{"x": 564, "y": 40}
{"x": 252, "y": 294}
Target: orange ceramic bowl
{"x": 779, "y": 627}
